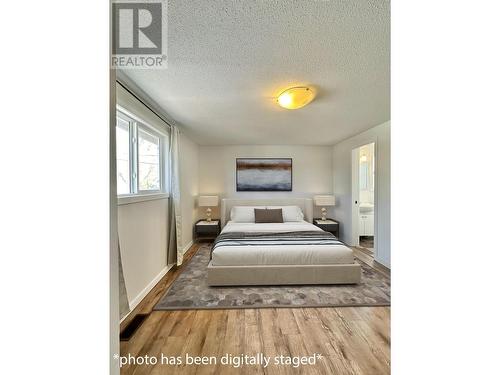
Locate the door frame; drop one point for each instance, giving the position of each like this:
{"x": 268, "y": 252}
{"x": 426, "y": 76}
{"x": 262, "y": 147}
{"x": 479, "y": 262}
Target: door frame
{"x": 355, "y": 194}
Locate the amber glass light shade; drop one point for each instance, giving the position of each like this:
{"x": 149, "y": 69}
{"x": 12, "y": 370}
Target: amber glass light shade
{"x": 295, "y": 97}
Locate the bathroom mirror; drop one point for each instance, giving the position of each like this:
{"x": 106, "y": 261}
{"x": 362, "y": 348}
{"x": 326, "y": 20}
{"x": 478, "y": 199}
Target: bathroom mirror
{"x": 367, "y": 168}
{"x": 364, "y": 176}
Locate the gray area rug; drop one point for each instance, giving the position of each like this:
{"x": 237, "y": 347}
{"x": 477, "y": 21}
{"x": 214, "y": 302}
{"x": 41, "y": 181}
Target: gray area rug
{"x": 190, "y": 291}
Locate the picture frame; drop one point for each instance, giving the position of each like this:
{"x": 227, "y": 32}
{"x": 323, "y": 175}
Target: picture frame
{"x": 264, "y": 174}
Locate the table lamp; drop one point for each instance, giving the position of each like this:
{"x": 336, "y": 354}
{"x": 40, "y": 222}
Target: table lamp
{"x": 208, "y": 201}
{"x": 323, "y": 201}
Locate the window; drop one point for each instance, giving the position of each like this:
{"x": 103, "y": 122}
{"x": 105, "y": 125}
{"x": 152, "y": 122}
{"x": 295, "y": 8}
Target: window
{"x": 139, "y": 163}
{"x": 122, "y": 156}
{"x": 149, "y": 161}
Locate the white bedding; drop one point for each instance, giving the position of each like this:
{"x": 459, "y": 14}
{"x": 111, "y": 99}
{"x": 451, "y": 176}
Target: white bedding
{"x": 231, "y": 226}
{"x": 279, "y": 254}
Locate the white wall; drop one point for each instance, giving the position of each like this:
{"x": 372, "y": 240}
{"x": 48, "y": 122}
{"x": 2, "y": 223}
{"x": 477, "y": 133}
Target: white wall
{"x": 342, "y": 165}
{"x": 188, "y": 169}
{"x": 312, "y": 170}
{"x": 142, "y": 231}
{"x": 142, "y": 226}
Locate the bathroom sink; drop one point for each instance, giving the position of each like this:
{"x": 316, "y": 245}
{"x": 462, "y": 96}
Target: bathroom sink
{"x": 366, "y": 207}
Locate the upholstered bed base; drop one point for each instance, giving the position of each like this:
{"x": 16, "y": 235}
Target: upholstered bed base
{"x": 284, "y": 274}
{"x": 280, "y": 274}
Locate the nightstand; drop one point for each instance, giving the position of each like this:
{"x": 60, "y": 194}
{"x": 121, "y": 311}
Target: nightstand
{"x": 328, "y": 225}
{"x": 206, "y": 230}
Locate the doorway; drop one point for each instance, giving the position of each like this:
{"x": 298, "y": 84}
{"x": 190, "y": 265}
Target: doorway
{"x": 363, "y": 195}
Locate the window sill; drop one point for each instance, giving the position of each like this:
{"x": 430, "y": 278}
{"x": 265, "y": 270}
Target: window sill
{"x": 136, "y": 198}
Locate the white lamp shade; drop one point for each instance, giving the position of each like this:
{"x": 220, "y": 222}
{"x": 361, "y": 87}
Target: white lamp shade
{"x": 208, "y": 201}
{"x": 324, "y": 200}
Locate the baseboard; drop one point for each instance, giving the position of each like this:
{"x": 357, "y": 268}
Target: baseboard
{"x": 187, "y": 247}
{"x": 137, "y": 300}
{"x": 381, "y": 265}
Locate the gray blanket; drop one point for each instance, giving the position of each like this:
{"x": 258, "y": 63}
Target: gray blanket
{"x": 274, "y": 239}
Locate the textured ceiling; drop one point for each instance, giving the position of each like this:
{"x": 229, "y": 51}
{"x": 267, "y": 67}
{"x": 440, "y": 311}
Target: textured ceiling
{"x": 228, "y": 60}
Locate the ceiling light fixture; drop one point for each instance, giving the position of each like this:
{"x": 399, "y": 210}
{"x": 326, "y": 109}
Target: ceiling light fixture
{"x": 295, "y": 97}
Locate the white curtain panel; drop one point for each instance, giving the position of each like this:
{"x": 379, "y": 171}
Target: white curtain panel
{"x": 175, "y": 219}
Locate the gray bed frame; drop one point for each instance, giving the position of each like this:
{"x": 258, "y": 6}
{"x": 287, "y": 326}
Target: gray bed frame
{"x": 280, "y": 274}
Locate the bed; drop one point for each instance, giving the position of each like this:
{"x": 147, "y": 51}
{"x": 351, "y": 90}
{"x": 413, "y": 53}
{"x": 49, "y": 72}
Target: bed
{"x": 294, "y": 252}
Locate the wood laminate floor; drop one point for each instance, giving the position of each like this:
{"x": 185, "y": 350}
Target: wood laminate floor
{"x": 351, "y": 340}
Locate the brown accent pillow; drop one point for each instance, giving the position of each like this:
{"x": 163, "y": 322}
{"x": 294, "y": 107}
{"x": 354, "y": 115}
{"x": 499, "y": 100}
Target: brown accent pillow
{"x": 268, "y": 216}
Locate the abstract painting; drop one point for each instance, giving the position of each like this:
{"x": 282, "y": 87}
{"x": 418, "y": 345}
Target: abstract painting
{"x": 263, "y": 174}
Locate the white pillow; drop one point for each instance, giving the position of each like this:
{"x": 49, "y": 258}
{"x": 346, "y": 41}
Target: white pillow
{"x": 290, "y": 213}
{"x": 244, "y": 214}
